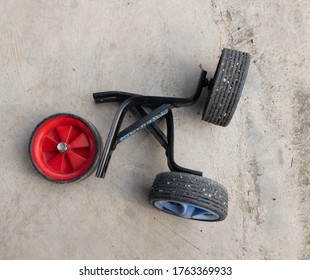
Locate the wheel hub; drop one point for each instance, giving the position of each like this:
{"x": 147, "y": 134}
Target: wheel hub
{"x": 62, "y": 147}
{"x": 186, "y": 210}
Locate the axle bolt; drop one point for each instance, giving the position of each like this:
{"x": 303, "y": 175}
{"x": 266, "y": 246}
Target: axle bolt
{"x": 62, "y": 147}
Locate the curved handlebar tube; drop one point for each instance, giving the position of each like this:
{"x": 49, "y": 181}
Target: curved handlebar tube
{"x": 151, "y": 101}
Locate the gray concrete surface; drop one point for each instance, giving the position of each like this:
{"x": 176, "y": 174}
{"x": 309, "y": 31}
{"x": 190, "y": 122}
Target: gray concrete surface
{"x": 54, "y": 54}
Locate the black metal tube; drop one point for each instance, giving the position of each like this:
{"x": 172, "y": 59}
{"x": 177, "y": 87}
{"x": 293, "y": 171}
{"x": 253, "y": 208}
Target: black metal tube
{"x": 173, "y": 166}
{"x": 115, "y": 127}
{"x": 111, "y": 139}
{"x": 147, "y": 101}
{"x": 112, "y": 96}
{"x": 132, "y": 100}
{"x": 145, "y": 121}
{"x": 153, "y": 128}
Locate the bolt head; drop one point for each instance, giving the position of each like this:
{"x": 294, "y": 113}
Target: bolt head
{"x": 62, "y": 147}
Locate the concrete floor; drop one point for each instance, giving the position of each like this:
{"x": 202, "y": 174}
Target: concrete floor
{"x": 54, "y": 54}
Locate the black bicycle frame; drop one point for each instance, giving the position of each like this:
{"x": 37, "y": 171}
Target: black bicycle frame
{"x": 160, "y": 106}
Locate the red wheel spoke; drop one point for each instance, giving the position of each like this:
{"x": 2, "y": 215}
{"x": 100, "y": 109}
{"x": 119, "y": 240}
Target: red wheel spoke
{"x": 57, "y": 162}
{"x": 49, "y": 156}
{"x": 64, "y": 132}
{"x": 75, "y": 160}
{"x": 80, "y": 142}
{"x": 83, "y": 152}
{"x": 53, "y": 135}
{"x": 66, "y": 166}
{"x": 49, "y": 145}
{"x": 75, "y": 132}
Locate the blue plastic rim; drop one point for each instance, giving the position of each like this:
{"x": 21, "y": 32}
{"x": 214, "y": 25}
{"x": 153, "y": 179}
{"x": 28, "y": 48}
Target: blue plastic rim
{"x": 186, "y": 210}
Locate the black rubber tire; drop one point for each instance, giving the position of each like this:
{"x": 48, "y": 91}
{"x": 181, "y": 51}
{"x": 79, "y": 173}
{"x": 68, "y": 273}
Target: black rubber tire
{"x": 98, "y": 147}
{"x": 227, "y": 87}
{"x": 190, "y": 189}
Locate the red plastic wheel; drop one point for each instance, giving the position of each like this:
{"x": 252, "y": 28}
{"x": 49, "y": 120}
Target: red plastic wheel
{"x": 64, "y": 148}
